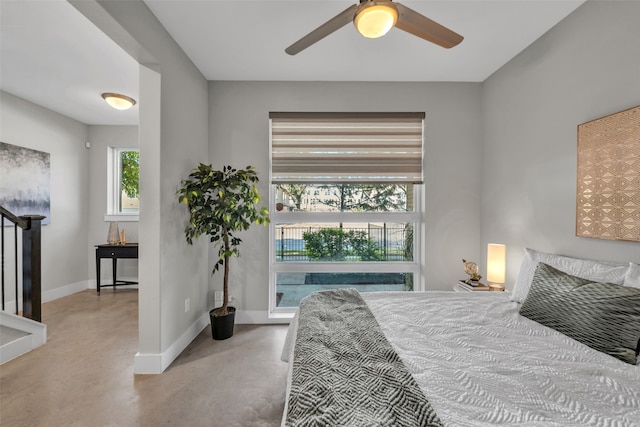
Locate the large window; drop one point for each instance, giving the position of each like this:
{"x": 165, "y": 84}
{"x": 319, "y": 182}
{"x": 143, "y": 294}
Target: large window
{"x": 345, "y": 203}
{"x": 123, "y": 183}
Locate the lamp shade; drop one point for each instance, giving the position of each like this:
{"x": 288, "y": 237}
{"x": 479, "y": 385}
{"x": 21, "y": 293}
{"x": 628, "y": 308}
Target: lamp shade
{"x": 118, "y": 101}
{"x": 375, "y": 20}
{"x": 496, "y": 263}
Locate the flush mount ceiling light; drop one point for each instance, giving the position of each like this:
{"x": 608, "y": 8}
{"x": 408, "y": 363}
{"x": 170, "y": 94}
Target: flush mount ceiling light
{"x": 118, "y": 101}
{"x": 376, "y": 19}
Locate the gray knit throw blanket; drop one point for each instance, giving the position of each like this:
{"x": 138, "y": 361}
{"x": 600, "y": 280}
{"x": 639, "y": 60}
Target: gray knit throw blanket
{"x": 345, "y": 372}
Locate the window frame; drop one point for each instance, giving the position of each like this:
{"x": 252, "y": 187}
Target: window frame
{"x": 275, "y": 267}
{"x": 114, "y": 186}
{"x": 414, "y": 217}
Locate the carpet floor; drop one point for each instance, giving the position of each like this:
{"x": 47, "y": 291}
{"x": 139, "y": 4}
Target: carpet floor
{"x": 84, "y": 376}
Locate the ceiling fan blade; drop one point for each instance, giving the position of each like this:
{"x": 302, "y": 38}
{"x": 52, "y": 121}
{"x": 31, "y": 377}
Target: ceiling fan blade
{"x": 412, "y": 22}
{"x": 323, "y": 30}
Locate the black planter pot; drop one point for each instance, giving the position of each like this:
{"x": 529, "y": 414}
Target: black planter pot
{"x": 222, "y": 326}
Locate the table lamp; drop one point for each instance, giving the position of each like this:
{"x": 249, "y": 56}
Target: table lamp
{"x": 496, "y": 266}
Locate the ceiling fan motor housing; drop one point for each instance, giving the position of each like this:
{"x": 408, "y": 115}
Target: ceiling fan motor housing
{"x": 374, "y": 18}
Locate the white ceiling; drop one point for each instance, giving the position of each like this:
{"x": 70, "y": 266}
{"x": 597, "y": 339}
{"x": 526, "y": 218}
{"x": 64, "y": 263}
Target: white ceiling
{"x": 53, "y": 56}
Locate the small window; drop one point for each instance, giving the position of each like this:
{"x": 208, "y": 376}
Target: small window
{"x": 123, "y": 184}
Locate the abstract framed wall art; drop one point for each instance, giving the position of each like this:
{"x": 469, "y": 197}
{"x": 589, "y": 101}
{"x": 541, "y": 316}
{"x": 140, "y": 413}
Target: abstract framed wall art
{"x": 25, "y": 181}
{"x": 608, "y": 184}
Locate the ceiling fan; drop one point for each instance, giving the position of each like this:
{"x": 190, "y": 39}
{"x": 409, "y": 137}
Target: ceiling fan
{"x": 374, "y": 18}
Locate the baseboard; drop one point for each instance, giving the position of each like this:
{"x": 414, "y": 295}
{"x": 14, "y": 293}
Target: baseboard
{"x": 15, "y": 349}
{"x": 37, "y": 330}
{"x": 66, "y": 290}
{"x": 147, "y": 363}
{"x": 54, "y": 294}
{"x": 259, "y": 317}
{"x": 156, "y": 363}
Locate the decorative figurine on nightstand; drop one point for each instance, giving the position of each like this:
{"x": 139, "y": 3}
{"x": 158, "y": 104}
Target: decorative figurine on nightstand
{"x": 471, "y": 268}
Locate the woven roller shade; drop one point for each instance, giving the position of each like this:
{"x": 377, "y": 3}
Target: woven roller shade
{"x": 349, "y": 147}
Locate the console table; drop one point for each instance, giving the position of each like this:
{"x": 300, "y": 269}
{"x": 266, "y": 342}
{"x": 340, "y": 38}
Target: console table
{"x": 128, "y": 250}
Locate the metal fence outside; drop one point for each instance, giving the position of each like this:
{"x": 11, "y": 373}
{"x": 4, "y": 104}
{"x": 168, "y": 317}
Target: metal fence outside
{"x": 391, "y": 241}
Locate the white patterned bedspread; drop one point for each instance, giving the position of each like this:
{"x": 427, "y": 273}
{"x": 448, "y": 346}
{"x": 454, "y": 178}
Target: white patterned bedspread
{"x": 480, "y": 363}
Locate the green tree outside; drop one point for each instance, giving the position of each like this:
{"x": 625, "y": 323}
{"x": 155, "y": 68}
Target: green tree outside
{"x": 130, "y": 176}
{"x": 294, "y": 191}
{"x": 367, "y": 197}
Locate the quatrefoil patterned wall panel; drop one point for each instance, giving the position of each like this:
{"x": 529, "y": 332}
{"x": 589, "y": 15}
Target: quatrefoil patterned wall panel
{"x": 608, "y": 187}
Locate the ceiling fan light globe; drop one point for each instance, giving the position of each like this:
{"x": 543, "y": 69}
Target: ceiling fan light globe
{"x": 376, "y": 20}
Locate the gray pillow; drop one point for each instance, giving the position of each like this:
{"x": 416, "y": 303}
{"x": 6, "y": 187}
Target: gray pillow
{"x": 604, "y": 316}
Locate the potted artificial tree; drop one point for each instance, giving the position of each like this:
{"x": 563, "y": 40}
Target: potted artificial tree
{"x": 222, "y": 203}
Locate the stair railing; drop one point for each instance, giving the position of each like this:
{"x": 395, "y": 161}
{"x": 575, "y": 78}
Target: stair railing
{"x": 31, "y": 262}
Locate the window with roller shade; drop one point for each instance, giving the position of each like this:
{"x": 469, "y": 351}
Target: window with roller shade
{"x": 345, "y": 194}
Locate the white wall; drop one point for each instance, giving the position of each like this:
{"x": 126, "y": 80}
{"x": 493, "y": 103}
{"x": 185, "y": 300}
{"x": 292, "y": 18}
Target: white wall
{"x": 586, "y": 67}
{"x": 64, "y": 240}
{"x": 102, "y": 137}
{"x": 239, "y": 136}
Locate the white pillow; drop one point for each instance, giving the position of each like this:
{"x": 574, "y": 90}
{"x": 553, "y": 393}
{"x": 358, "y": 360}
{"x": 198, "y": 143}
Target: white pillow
{"x": 585, "y": 269}
{"x": 632, "y": 278}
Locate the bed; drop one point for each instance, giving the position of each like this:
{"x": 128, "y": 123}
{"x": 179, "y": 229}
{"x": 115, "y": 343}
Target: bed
{"x": 476, "y": 359}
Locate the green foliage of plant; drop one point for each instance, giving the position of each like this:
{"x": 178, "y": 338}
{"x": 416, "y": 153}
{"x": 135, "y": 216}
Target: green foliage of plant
{"x": 295, "y": 191}
{"x": 367, "y": 197}
{"x": 326, "y": 244}
{"x": 364, "y": 247}
{"x": 130, "y": 173}
{"x": 382, "y": 198}
{"x": 222, "y": 203}
{"x": 335, "y": 244}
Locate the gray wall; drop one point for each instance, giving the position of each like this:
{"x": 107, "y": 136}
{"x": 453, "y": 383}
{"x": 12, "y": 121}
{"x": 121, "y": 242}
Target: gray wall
{"x": 102, "y": 137}
{"x": 586, "y": 67}
{"x": 64, "y": 240}
{"x": 239, "y": 136}
{"x": 173, "y": 138}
